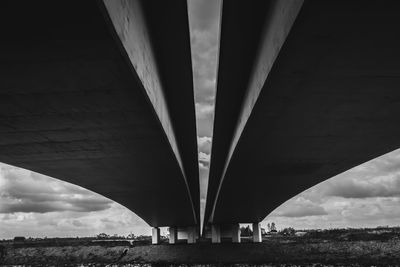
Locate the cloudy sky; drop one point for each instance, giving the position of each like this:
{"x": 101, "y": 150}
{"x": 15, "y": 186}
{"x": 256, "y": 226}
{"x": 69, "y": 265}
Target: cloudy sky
{"x": 204, "y": 34}
{"x": 36, "y": 205}
{"x": 365, "y": 196}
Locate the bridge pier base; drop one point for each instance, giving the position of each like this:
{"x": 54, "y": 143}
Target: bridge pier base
{"x": 257, "y": 233}
{"x": 173, "y": 235}
{"x": 155, "y": 238}
{"x": 215, "y": 233}
{"x": 191, "y": 235}
{"x": 236, "y": 233}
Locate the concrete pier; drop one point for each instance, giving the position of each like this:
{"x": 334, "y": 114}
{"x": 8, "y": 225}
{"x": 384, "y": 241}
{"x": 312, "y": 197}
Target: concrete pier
{"x": 215, "y": 233}
{"x": 155, "y": 238}
{"x": 257, "y": 233}
{"x": 235, "y": 233}
{"x": 173, "y": 235}
{"x": 191, "y": 234}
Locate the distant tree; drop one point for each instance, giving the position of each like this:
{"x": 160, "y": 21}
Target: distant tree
{"x": 273, "y": 227}
{"x": 246, "y": 231}
{"x": 131, "y": 236}
{"x": 288, "y": 231}
{"x": 102, "y": 236}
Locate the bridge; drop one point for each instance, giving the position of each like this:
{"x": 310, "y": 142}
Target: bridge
{"x": 306, "y": 90}
{"x": 100, "y": 94}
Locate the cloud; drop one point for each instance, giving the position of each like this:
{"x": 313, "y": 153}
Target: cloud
{"x": 35, "y": 205}
{"x": 25, "y": 191}
{"x": 300, "y": 207}
{"x": 365, "y": 196}
{"x": 204, "y": 32}
{"x": 379, "y": 177}
{"x": 204, "y": 144}
{"x": 203, "y": 14}
{"x": 355, "y": 188}
{"x": 204, "y": 158}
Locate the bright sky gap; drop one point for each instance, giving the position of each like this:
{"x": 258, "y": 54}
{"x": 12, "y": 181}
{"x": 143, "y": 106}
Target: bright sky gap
{"x": 204, "y": 22}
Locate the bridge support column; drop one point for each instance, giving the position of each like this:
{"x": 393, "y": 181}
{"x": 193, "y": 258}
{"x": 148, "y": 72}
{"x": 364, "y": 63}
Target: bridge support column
{"x": 257, "y": 233}
{"x": 191, "y": 235}
{"x": 173, "y": 235}
{"x": 215, "y": 233}
{"x": 155, "y": 238}
{"x": 236, "y": 233}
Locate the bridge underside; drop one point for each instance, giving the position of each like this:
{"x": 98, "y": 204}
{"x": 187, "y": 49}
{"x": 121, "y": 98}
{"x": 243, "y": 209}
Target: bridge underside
{"x": 72, "y": 107}
{"x": 330, "y": 102}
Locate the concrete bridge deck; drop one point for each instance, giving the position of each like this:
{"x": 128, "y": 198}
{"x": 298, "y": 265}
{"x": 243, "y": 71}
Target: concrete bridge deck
{"x": 75, "y": 106}
{"x": 329, "y": 103}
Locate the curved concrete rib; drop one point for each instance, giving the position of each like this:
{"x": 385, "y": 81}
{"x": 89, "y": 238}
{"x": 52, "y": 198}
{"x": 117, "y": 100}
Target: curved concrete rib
{"x": 272, "y": 20}
{"x": 75, "y": 107}
{"x": 329, "y": 103}
{"x": 128, "y": 19}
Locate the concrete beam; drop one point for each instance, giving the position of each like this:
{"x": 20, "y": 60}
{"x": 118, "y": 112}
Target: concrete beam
{"x": 173, "y": 235}
{"x": 215, "y": 233}
{"x": 91, "y": 118}
{"x": 257, "y": 238}
{"x": 130, "y": 25}
{"x": 155, "y": 236}
{"x": 280, "y": 18}
{"x": 132, "y": 29}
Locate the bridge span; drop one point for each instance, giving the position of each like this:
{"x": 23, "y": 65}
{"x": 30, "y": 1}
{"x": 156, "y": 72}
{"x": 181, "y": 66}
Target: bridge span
{"x": 100, "y": 94}
{"x": 305, "y": 91}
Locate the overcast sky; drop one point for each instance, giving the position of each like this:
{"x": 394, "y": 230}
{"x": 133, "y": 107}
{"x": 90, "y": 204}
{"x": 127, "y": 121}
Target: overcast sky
{"x": 35, "y": 205}
{"x": 204, "y": 35}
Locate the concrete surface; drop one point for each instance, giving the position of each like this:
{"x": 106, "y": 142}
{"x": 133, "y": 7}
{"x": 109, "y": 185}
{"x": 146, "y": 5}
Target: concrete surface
{"x": 330, "y": 102}
{"x": 72, "y": 107}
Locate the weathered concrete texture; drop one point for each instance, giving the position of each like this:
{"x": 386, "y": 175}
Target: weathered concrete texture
{"x": 330, "y": 102}
{"x": 72, "y": 108}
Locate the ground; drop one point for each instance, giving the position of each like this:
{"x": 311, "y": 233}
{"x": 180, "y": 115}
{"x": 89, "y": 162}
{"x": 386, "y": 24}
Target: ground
{"x": 337, "y": 248}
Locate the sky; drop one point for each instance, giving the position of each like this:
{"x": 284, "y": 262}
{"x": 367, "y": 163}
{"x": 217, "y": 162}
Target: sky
{"x": 204, "y": 37}
{"x": 365, "y": 196}
{"x": 35, "y": 205}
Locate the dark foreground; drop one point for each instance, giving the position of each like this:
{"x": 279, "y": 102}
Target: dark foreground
{"x": 271, "y": 252}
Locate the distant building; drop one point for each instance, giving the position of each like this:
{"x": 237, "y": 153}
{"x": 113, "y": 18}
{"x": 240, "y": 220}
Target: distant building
{"x": 19, "y": 239}
{"x": 273, "y": 232}
{"x": 300, "y": 233}
{"x": 263, "y": 232}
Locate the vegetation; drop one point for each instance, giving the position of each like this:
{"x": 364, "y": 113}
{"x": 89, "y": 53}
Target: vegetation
{"x": 246, "y": 231}
{"x": 332, "y": 247}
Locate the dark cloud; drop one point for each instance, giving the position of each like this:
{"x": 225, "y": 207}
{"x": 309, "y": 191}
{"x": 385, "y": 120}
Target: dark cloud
{"x": 24, "y": 191}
